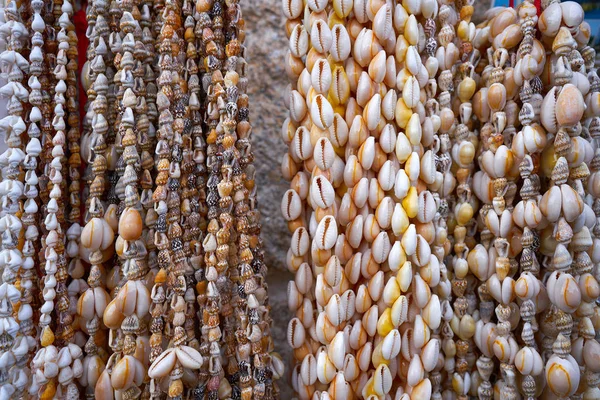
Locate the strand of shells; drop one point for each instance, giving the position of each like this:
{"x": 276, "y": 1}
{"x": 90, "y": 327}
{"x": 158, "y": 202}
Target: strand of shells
{"x": 31, "y": 206}
{"x": 125, "y": 314}
{"x": 118, "y": 316}
{"x": 16, "y": 338}
{"x": 97, "y": 235}
{"x": 442, "y": 200}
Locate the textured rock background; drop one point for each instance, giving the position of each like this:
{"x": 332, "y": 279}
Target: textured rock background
{"x": 266, "y": 43}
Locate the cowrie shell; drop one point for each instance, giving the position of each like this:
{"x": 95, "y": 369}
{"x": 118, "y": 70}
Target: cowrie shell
{"x": 292, "y": 8}
{"x": 302, "y": 145}
{"x": 297, "y": 106}
{"x": 427, "y": 207}
{"x": 372, "y": 112}
{"x": 291, "y": 205}
{"x": 342, "y": 8}
{"x": 299, "y": 41}
{"x": 317, "y": 5}
{"x": 322, "y": 192}
{"x": 321, "y": 112}
{"x": 339, "y": 90}
{"x": 381, "y": 247}
{"x": 324, "y": 154}
{"x": 320, "y": 36}
{"x": 340, "y": 45}
{"x": 338, "y": 131}
{"x": 321, "y": 76}
{"x": 327, "y": 233}
{"x": 411, "y": 92}
{"x": 295, "y": 333}
{"x": 382, "y": 380}
{"x": 377, "y": 67}
{"x": 335, "y": 311}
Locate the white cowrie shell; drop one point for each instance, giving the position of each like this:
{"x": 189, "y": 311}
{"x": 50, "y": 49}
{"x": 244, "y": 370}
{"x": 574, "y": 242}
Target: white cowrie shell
{"x": 308, "y": 370}
{"x": 421, "y": 291}
{"x": 299, "y": 41}
{"x": 294, "y": 296}
{"x": 550, "y": 204}
{"x": 415, "y": 371}
{"x": 372, "y": 112}
{"x": 321, "y": 112}
{"x": 401, "y": 184}
{"x": 428, "y": 171}
{"x": 388, "y": 107}
{"x": 414, "y": 131}
{"x": 413, "y": 167}
{"x": 320, "y": 36}
{"x": 429, "y": 354}
{"x": 163, "y": 365}
{"x": 366, "y": 153}
{"x": 300, "y": 243}
{"x": 382, "y": 380}
{"x": 325, "y": 369}
{"x": 427, "y": 207}
{"x": 317, "y": 5}
{"x": 334, "y": 310}
{"x": 411, "y": 92}
{"x": 381, "y": 247}
{"x": 322, "y": 192}
{"x": 324, "y": 154}
{"x": 302, "y": 145}
{"x": 432, "y": 314}
{"x": 409, "y": 240}
{"x": 360, "y": 193}
{"x": 384, "y": 212}
{"x": 295, "y": 333}
{"x": 342, "y": 8}
{"x": 297, "y": 106}
{"x": 321, "y": 76}
{"x": 413, "y": 60}
{"x": 291, "y": 205}
{"x": 338, "y": 131}
{"x": 292, "y": 8}
{"x": 340, "y": 47}
{"x": 303, "y": 278}
{"x": 382, "y": 23}
{"x": 188, "y": 357}
{"x": 377, "y": 67}
{"x": 387, "y": 139}
{"x": 391, "y": 345}
{"x": 327, "y": 233}
{"x": 386, "y": 176}
{"x": 336, "y": 351}
{"x": 572, "y": 205}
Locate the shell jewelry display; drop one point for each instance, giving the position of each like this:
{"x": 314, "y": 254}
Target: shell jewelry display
{"x": 443, "y": 200}
{"x": 131, "y": 259}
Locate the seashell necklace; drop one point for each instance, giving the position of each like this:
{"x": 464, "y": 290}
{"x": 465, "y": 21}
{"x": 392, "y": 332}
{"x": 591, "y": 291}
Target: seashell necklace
{"x": 98, "y": 234}
{"x": 31, "y": 207}
{"x": 172, "y": 102}
{"x": 528, "y": 143}
{"x": 217, "y": 241}
{"x": 15, "y": 337}
{"x": 562, "y": 204}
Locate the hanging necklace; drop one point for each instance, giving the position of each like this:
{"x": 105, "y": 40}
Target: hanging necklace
{"x": 97, "y": 235}
{"x": 171, "y": 364}
{"x": 15, "y": 335}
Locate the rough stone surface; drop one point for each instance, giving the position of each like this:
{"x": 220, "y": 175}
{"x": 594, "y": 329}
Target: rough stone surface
{"x": 266, "y": 45}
